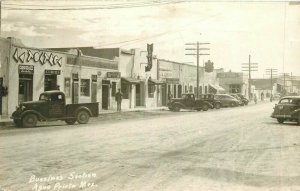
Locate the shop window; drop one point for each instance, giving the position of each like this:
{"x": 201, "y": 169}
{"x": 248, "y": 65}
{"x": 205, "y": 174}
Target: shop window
{"x": 67, "y": 89}
{"x": 191, "y": 89}
{"x": 235, "y": 88}
{"x": 185, "y": 89}
{"x": 114, "y": 88}
{"x": 125, "y": 90}
{"x": 50, "y": 83}
{"x": 200, "y": 89}
{"x": 151, "y": 90}
{"x": 85, "y": 87}
{"x": 205, "y": 89}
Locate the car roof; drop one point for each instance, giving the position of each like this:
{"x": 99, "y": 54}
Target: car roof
{"x": 52, "y": 92}
{"x": 291, "y": 97}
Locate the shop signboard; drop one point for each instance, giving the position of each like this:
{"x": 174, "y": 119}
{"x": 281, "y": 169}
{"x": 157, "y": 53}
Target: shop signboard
{"x": 172, "y": 80}
{"x": 26, "y": 69}
{"x": 52, "y": 72}
{"x": 113, "y": 75}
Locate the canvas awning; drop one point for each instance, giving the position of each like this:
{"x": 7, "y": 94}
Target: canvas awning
{"x": 131, "y": 80}
{"x": 216, "y": 87}
{"x": 156, "y": 82}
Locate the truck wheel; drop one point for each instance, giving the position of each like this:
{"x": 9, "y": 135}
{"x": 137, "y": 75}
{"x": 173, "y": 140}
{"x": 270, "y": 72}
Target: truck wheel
{"x": 204, "y": 107}
{"x": 83, "y": 117}
{"x": 176, "y": 108}
{"x": 280, "y": 120}
{"x": 70, "y": 121}
{"x": 217, "y": 105}
{"x": 17, "y": 122}
{"x": 29, "y": 120}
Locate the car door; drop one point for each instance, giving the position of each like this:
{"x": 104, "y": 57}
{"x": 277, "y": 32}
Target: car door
{"x": 189, "y": 101}
{"x": 57, "y": 106}
{"x": 284, "y": 106}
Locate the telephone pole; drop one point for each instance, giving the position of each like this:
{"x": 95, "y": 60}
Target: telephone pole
{"x": 284, "y": 76}
{"x": 272, "y": 72}
{"x": 198, "y": 49}
{"x": 249, "y": 67}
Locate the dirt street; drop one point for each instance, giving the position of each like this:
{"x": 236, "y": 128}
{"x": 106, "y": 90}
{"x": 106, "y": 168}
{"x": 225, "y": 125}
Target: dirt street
{"x": 228, "y": 149}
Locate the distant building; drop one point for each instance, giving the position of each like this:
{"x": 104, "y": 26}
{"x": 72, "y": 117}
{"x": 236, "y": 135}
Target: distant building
{"x": 233, "y": 82}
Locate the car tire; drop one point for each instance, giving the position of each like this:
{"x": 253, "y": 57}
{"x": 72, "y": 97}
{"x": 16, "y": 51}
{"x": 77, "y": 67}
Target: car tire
{"x": 70, "y": 121}
{"x": 18, "y": 122}
{"x": 217, "y": 105}
{"x": 280, "y": 120}
{"x": 232, "y": 104}
{"x": 205, "y": 107}
{"x": 176, "y": 108}
{"x": 29, "y": 120}
{"x": 246, "y": 103}
{"x": 170, "y": 108}
{"x": 83, "y": 117}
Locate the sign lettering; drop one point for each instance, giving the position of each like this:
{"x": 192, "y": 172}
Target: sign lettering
{"x": 26, "y": 69}
{"x": 113, "y": 75}
{"x": 52, "y": 72}
{"x": 27, "y": 55}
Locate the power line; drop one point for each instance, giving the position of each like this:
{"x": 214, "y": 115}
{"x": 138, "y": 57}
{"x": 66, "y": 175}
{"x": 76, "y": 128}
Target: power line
{"x": 116, "y": 6}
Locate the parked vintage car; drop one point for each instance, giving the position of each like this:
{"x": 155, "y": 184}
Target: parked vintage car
{"x": 211, "y": 99}
{"x": 287, "y": 109}
{"x": 243, "y": 98}
{"x": 241, "y": 103}
{"x": 188, "y": 101}
{"x": 51, "y": 106}
{"x": 227, "y": 100}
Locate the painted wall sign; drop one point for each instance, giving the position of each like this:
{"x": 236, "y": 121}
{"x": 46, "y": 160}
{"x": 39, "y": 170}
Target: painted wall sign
{"x": 26, "y": 69}
{"x": 26, "y": 55}
{"x": 52, "y": 72}
{"x": 113, "y": 75}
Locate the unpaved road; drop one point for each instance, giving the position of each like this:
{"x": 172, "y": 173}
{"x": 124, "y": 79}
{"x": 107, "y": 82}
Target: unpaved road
{"x": 229, "y": 149}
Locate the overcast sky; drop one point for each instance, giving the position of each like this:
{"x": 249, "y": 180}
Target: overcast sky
{"x": 269, "y": 31}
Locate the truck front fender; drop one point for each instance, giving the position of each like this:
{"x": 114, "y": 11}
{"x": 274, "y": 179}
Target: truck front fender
{"x": 40, "y": 116}
{"x": 178, "y": 103}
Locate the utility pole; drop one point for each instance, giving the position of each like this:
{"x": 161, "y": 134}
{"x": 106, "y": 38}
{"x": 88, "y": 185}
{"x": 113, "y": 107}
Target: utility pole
{"x": 284, "y": 76}
{"x": 272, "y": 72}
{"x": 198, "y": 44}
{"x": 249, "y": 67}
{"x": 0, "y": 15}
{"x": 292, "y": 82}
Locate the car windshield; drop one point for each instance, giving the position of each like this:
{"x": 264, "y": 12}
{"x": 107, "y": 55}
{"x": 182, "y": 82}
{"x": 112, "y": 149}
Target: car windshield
{"x": 285, "y": 101}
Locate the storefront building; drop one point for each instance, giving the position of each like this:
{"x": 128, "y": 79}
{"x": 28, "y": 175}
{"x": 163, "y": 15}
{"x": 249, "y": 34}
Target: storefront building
{"x": 181, "y": 78}
{"x": 27, "y": 72}
{"x": 233, "y": 82}
{"x": 139, "y": 88}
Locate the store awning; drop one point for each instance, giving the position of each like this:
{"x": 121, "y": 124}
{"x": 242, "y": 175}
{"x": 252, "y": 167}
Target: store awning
{"x": 216, "y": 87}
{"x": 131, "y": 80}
{"x": 156, "y": 82}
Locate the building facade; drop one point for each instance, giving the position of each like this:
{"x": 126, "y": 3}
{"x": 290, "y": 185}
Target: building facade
{"x": 233, "y": 82}
{"x": 181, "y": 78}
{"x": 26, "y": 72}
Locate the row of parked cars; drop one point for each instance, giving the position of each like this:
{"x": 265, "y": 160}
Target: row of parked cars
{"x": 206, "y": 101}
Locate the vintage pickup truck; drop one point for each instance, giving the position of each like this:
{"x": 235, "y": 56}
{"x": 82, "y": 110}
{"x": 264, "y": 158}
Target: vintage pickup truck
{"x": 52, "y": 106}
{"x": 188, "y": 101}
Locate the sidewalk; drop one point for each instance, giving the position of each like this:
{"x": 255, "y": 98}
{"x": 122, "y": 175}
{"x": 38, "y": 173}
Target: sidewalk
{"x": 6, "y": 121}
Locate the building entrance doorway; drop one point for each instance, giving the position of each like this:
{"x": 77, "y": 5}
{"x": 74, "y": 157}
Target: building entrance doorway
{"x": 1, "y": 93}
{"x": 164, "y": 95}
{"x": 25, "y": 87}
{"x": 105, "y": 94}
{"x": 138, "y": 95}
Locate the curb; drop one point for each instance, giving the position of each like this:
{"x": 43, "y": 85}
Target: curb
{"x": 10, "y": 122}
